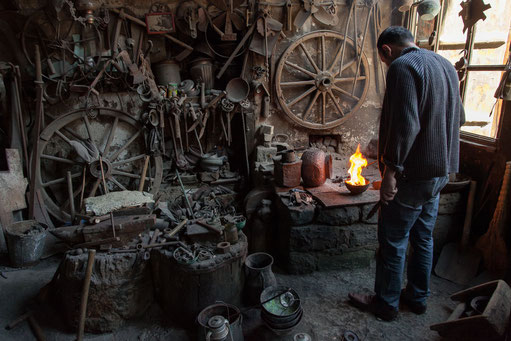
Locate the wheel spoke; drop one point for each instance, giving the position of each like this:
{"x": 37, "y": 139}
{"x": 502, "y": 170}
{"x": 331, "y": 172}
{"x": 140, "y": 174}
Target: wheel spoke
{"x": 302, "y": 96}
{"x": 299, "y": 68}
{"x": 132, "y": 159}
{"x": 337, "y": 106}
{"x": 309, "y": 57}
{"x": 311, "y": 105}
{"x": 344, "y": 67}
{"x": 58, "y": 159}
{"x": 89, "y": 130}
{"x": 118, "y": 152}
{"x": 110, "y": 137}
{"x": 129, "y": 175}
{"x": 336, "y": 88}
{"x": 117, "y": 183}
{"x": 323, "y": 53}
{"x": 323, "y": 113}
{"x": 336, "y": 57}
{"x": 94, "y": 188}
{"x": 349, "y": 79}
{"x": 60, "y": 180}
{"x": 64, "y": 137}
{"x": 75, "y": 193}
{"x": 296, "y": 83}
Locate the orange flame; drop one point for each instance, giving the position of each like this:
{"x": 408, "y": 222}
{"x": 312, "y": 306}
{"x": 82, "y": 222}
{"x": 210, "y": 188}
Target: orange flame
{"x": 357, "y": 162}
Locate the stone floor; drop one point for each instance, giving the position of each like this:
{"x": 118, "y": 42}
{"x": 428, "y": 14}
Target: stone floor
{"x": 324, "y": 294}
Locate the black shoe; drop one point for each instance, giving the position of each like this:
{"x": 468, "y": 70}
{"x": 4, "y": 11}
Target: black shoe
{"x": 418, "y": 308}
{"x": 374, "y": 305}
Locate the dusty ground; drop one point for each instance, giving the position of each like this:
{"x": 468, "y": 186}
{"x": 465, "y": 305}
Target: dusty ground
{"x": 327, "y": 313}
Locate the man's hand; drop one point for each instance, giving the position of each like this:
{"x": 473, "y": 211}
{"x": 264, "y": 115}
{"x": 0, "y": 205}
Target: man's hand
{"x": 388, "y": 186}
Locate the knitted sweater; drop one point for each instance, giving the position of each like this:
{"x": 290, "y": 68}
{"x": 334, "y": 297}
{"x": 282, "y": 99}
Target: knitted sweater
{"x": 421, "y": 116}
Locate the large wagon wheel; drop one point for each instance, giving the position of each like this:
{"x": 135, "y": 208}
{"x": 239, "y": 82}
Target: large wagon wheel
{"x": 59, "y": 40}
{"x": 121, "y": 144}
{"x": 321, "y": 78}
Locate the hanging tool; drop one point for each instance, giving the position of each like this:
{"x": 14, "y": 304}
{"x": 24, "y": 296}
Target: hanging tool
{"x": 177, "y": 228}
{"x": 19, "y": 116}
{"x": 188, "y": 205}
{"x": 460, "y": 263}
{"x": 493, "y": 244}
{"x": 236, "y": 50}
{"x": 244, "y": 127}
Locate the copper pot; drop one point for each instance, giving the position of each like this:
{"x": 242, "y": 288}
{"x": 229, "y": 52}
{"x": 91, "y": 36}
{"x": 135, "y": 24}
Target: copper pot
{"x": 316, "y": 167}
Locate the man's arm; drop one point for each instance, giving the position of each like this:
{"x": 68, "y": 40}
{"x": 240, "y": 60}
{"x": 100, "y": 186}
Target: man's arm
{"x": 402, "y": 126}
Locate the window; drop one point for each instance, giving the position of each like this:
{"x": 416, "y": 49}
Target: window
{"x": 486, "y": 50}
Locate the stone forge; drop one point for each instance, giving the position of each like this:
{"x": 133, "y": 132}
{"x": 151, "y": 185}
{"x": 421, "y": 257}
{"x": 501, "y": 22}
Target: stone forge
{"x": 319, "y": 237}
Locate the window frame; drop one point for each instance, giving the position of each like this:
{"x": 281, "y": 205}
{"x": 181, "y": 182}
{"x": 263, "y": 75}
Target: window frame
{"x": 489, "y": 143}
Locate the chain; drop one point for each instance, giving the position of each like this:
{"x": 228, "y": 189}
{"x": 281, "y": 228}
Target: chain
{"x": 72, "y": 9}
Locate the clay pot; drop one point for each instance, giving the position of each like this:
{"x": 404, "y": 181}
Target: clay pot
{"x": 316, "y": 167}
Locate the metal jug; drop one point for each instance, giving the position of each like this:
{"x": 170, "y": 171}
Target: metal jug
{"x": 259, "y": 275}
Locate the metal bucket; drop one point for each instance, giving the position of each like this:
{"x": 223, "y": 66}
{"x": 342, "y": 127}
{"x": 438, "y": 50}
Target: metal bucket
{"x": 202, "y": 71}
{"x": 25, "y": 241}
{"x": 281, "y": 309}
{"x": 228, "y": 311}
{"x": 165, "y": 72}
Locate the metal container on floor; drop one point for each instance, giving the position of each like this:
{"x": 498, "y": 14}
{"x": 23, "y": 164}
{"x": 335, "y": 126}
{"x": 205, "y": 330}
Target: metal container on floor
{"x": 258, "y": 275}
{"x": 220, "y": 322}
{"x": 281, "y": 309}
{"x": 25, "y": 241}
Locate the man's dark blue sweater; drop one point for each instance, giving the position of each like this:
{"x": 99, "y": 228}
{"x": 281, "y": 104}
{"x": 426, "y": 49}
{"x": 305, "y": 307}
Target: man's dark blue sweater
{"x": 421, "y": 116}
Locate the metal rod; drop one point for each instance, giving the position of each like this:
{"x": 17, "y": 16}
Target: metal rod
{"x": 113, "y": 223}
{"x": 362, "y": 48}
{"x": 236, "y": 50}
{"x": 83, "y": 187}
{"x": 156, "y": 233}
{"x": 244, "y": 123}
{"x": 102, "y": 174}
{"x": 198, "y": 141}
{"x": 36, "y": 328}
{"x": 85, "y": 294}
{"x": 18, "y": 320}
{"x": 34, "y": 170}
{"x": 143, "y": 175}
{"x": 71, "y": 196}
{"x": 189, "y": 206}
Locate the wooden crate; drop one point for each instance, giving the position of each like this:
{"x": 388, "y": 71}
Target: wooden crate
{"x": 489, "y": 325}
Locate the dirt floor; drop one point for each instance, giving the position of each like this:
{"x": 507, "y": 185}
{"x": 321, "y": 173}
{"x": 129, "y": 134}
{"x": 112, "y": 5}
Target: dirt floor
{"x": 327, "y": 314}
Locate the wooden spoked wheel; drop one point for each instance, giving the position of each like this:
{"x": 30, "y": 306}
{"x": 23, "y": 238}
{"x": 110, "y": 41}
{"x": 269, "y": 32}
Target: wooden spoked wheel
{"x": 321, "y": 79}
{"x": 121, "y": 143}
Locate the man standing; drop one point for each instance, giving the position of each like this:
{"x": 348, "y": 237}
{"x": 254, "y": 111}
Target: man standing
{"x": 418, "y": 147}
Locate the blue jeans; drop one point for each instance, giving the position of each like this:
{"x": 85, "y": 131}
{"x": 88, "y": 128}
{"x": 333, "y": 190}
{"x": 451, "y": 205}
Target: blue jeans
{"x": 410, "y": 216}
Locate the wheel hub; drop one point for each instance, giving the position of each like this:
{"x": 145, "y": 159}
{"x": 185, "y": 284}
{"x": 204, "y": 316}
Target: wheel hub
{"x": 324, "y": 81}
{"x": 95, "y": 168}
